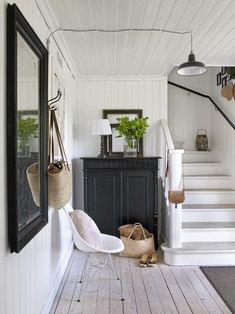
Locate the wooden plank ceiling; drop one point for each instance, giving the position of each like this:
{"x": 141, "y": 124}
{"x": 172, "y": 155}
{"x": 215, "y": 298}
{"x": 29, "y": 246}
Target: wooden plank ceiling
{"x": 146, "y": 53}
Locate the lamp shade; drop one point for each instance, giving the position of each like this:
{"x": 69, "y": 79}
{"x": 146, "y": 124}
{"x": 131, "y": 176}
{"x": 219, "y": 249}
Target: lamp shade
{"x": 192, "y": 67}
{"x": 101, "y": 127}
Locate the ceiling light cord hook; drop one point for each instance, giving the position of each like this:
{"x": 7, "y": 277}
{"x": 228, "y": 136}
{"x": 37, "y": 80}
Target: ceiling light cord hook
{"x": 191, "y": 36}
{"x": 51, "y": 34}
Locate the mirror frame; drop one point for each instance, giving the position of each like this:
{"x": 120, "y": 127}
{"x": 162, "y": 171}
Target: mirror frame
{"x": 16, "y": 23}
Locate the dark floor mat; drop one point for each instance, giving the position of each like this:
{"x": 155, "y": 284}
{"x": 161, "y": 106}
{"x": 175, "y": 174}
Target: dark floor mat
{"x": 222, "y": 279}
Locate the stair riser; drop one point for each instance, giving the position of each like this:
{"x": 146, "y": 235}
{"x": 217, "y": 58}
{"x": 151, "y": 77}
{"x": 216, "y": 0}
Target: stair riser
{"x": 211, "y": 215}
{"x": 197, "y": 157}
{"x": 198, "y": 164}
{"x": 198, "y": 169}
{"x": 209, "y": 198}
{"x": 200, "y": 258}
{"x": 206, "y": 183}
{"x": 208, "y": 235}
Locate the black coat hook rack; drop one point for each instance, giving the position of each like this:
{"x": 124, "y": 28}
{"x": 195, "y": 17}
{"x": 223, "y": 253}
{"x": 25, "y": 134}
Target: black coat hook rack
{"x": 54, "y": 100}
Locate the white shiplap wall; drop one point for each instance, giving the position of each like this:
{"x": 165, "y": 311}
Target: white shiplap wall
{"x": 222, "y": 134}
{"x": 28, "y": 95}
{"x": 28, "y": 280}
{"x": 94, "y": 95}
{"x": 188, "y": 112}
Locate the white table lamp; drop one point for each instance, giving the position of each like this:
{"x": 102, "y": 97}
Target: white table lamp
{"x": 101, "y": 127}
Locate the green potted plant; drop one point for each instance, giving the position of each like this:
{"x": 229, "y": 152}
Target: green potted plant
{"x": 132, "y": 130}
{"x": 25, "y": 129}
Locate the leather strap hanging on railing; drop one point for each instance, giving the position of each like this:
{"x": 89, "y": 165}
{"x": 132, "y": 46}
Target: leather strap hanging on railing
{"x": 175, "y": 197}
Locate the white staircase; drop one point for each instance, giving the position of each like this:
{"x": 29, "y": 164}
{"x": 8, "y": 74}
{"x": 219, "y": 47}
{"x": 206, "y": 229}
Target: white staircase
{"x": 208, "y": 214}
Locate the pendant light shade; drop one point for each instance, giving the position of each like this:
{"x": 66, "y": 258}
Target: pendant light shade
{"x": 191, "y": 67}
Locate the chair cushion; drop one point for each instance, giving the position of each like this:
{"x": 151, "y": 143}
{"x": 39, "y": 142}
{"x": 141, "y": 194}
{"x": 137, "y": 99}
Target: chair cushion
{"x": 86, "y": 227}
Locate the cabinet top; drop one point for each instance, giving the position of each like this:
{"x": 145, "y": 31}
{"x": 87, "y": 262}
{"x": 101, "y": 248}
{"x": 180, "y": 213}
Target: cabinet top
{"x": 120, "y": 162}
{"x": 122, "y": 158}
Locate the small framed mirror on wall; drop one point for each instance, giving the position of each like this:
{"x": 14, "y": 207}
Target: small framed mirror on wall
{"x": 27, "y": 128}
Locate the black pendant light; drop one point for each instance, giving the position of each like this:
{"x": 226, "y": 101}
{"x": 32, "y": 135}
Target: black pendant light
{"x": 191, "y": 67}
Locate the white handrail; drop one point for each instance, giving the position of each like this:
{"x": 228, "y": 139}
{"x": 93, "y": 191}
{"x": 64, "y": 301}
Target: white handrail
{"x": 167, "y": 134}
{"x": 173, "y": 216}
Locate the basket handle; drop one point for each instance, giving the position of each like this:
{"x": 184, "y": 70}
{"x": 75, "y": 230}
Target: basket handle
{"x": 204, "y": 130}
{"x": 135, "y": 226}
{"x": 53, "y": 125}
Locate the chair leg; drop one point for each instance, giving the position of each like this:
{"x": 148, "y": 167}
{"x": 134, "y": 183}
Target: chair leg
{"x": 87, "y": 275}
{"x": 115, "y": 275}
{"x": 85, "y": 272}
{"x": 90, "y": 264}
{"x": 112, "y": 266}
{"x": 87, "y": 259}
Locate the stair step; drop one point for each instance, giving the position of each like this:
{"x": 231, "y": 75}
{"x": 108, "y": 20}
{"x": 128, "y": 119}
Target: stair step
{"x": 208, "y": 225}
{"x": 202, "y": 168}
{"x": 211, "y": 231}
{"x": 207, "y": 181}
{"x": 198, "y": 156}
{"x": 209, "y": 196}
{"x": 200, "y": 253}
{"x": 208, "y": 212}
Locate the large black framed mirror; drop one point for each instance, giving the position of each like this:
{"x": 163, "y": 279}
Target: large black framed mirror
{"x": 27, "y": 128}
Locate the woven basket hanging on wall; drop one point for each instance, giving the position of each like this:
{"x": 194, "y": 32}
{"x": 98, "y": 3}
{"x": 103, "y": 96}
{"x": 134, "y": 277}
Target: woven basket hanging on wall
{"x": 59, "y": 171}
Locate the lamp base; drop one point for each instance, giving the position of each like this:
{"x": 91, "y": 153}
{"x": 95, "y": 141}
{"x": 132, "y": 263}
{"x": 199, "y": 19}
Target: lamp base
{"x": 102, "y": 154}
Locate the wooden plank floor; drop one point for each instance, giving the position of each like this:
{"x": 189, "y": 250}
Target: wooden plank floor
{"x": 160, "y": 289}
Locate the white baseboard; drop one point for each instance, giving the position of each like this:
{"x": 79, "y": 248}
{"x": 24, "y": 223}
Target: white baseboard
{"x": 212, "y": 254}
{"x": 54, "y": 288}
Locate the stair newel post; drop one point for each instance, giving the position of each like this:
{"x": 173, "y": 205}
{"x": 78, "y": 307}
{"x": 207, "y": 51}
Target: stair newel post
{"x": 175, "y": 184}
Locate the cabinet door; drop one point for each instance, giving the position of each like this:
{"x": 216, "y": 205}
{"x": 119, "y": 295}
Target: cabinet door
{"x": 103, "y": 199}
{"x": 138, "y": 197}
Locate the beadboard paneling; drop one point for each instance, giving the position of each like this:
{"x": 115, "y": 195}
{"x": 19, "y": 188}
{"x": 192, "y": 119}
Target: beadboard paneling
{"x": 28, "y": 96}
{"x": 145, "y": 53}
{"x": 188, "y": 112}
{"x": 94, "y": 95}
{"x": 222, "y": 134}
{"x": 29, "y": 280}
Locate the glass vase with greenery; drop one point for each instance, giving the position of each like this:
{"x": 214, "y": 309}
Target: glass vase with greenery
{"x": 132, "y": 130}
{"x": 25, "y": 129}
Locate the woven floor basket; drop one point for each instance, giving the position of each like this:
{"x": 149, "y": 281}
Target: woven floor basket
{"x": 59, "y": 185}
{"x": 136, "y": 248}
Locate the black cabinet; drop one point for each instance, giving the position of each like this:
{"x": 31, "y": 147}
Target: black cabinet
{"x": 121, "y": 190}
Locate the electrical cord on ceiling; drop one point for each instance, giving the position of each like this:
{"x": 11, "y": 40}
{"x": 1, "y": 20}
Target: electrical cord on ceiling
{"x": 51, "y": 33}
{"x": 191, "y": 67}
{"x": 100, "y": 30}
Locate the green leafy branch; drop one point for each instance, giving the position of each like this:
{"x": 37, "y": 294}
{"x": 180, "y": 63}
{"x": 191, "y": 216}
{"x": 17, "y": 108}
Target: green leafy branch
{"x": 26, "y": 128}
{"x": 132, "y": 128}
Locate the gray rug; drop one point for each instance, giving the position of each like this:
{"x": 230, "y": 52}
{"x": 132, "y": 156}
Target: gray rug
{"x": 223, "y": 280}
